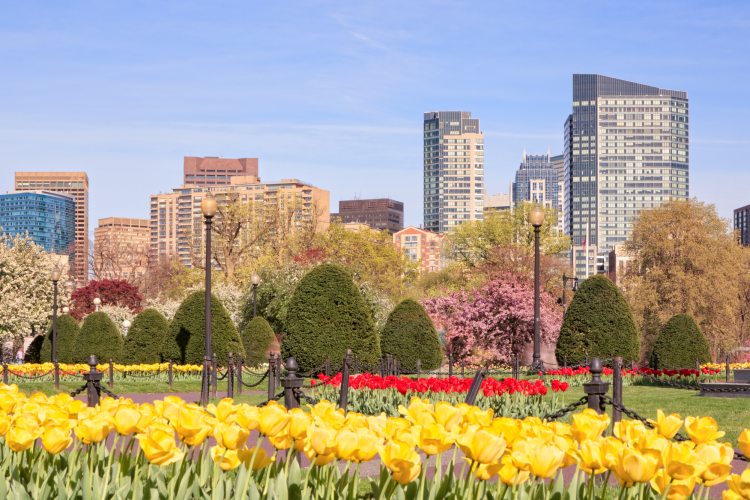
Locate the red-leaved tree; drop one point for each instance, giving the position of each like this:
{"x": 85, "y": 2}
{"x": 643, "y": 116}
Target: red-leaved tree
{"x": 495, "y": 321}
{"x": 110, "y": 292}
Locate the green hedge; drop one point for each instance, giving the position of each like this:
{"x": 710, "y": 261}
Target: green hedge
{"x": 67, "y": 333}
{"x": 145, "y": 338}
{"x": 257, "y": 339}
{"x": 99, "y": 336}
{"x": 328, "y": 315}
{"x": 33, "y": 352}
{"x": 598, "y": 323}
{"x": 409, "y": 335}
{"x": 185, "y": 339}
{"x": 680, "y": 343}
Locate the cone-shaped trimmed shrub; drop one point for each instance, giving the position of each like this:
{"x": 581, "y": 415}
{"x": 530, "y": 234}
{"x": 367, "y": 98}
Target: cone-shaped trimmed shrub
{"x": 33, "y": 352}
{"x": 598, "y": 323}
{"x": 99, "y": 336}
{"x": 680, "y": 343}
{"x": 257, "y": 338}
{"x": 67, "y": 333}
{"x": 328, "y": 315}
{"x": 145, "y": 338}
{"x": 409, "y": 335}
{"x": 186, "y": 337}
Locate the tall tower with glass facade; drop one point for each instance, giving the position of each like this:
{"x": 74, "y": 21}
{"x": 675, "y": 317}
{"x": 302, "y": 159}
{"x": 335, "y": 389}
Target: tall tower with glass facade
{"x": 453, "y": 169}
{"x": 626, "y": 149}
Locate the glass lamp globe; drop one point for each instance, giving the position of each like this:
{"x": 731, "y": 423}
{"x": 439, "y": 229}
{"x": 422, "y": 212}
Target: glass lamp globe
{"x": 536, "y": 216}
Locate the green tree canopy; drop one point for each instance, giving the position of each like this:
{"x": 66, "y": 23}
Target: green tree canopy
{"x": 409, "y": 335}
{"x": 67, "y": 333}
{"x": 257, "y": 339}
{"x": 98, "y": 336}
{"x": 681, "y": 343}
{"x": 145, "y": 338}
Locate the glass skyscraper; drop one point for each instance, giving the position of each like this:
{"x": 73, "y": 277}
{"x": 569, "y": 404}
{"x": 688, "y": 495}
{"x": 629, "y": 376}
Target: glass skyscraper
{"x": 626, "y": 149}
{"x": 453, "y": 169}
{"x": 537, "y": 179}
{"x": 49, "y": 218}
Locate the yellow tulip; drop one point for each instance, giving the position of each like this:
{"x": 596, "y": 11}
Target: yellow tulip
{"x": 629, "y": 430}
{"x": 717, "y": 459}
{"x": 651, "y": 441}
{"x": 744, "y": 443}
{"x": 433, "y": 439}
{"x": 225, "y": 410}
{"x": 633, "y": 466}
{"x": 377, "y": 424}
{"x": 322, "y": 409}
{"x": 481, "y": 444}
{"x": 681, "y": 461}
{"x": 93, "y": 429}
{"x": 485, "y": 472}
{"x": 510, "y": 475}
{"x": 366, "y": 448}
{"x": 282, "y": 440}
{"x": 273, "y": 419}
{"x": 401, "y": 460}
{"x": 588, "y": 425}
{"x": 345, "y": 444}
{"x": 509, "y": 428}
{"x": 299, "y": 423}
{"x": 740, "y": 485}
{"x": 567, "y": 445}
{"x": 248, "y": 417}
{"x": 610, "y": 449}
{"x": 20, "y": 439}
{"x": 191, "y": 427}
{"x": 679, "y": 489}
{"x": 11, "y": 389}
{"x": 322, "y": 441}
{"x": 261, "y": 459}
{"x": 702, "y": 430}
{"x": 417, "y": 411}
{"x": 473, "y": 415}
{"x": 227, "y": 459}
{"x": 74, "y": 408}
{"x": 446, "y": 415}
{"x": 56, "y": 439}
{"x": 667, "y": 426}
{"x": 230, "y": 436}
{"x": 169, "y": 407}
{"x": 4, "y": 423}
{"x": 158, "y": 446}
{"x": 591, "y": 458}
{"x": 730, "y": 495}
{"x": 545, "y": 460}
{"x": 125, "y": 420}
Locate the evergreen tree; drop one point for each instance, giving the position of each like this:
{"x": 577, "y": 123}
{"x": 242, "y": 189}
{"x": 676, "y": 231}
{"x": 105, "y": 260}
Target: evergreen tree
{"x": 67, "y": 333}
{"x": 99, "y": 336}
{"x": 257, "y": 339}
{"x": 145, "y": 338}
{"x": 409, "y": 335}
{"x": 680, "y": 343}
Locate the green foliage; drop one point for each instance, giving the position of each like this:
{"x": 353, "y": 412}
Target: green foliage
{"x": 681, "y": 342}
{"x": 33, "y": 352}
{"x": 409, "y": 335}
{"x": 185, "y": 340}
{"x": 598, "y": 323}
{"x": 67, "y": 333}
{"x": 145, "y": 338}
{"x": 257, "y": 338}
{"x": 99, "y": 336}
{"x": 327, "y": 315}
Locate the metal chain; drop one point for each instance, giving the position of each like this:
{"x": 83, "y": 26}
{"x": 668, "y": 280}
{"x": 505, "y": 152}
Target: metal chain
{"x": 106, "y": 391}
{"x": 245, "y": 369}
{"x": 33, "y": 377}
{"x": 223, "y": 376}
{"x": 300, "y": 394}
{"x": 78, "y": 391}
{"x": 564, "y": 411}
{"x": 275, "y": 398}
{"x": 265, "y": 375}
{"x": 692, "y": 387}
{"x": 128, "y": 374}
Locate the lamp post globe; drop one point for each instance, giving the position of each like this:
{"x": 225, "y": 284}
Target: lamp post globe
{"x": 256, "y": 281}
{"x": 65, "y": 310}
{"x": 97, "y": 302}
{"x": 209, "y": 207}
{"x": 126, "y": 324}
{"x": 536, "y": 217}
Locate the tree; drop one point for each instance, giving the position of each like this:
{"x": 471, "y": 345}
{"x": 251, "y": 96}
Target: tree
{"x": 257, "y": 339}
{"x": 33, "y": 352}
{"x": 327, "y": 315}
{"x": 145, "y": 338}
{"x": 686, "y": 260}
{"x": 493, "y": 322}
{"x": 681, "y": 343}
{"x": 409, "y": 335}
{"x": 98, "y": 336}
{"x": 67, "y": 333}
{"x": 598, "y": 323}
{"x": 110, "y": 292}
{"x": 185, "y": 340}
{"x": 118, "y": 257}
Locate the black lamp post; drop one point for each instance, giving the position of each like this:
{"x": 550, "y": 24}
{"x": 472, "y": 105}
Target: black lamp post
{"x": 256, "y": 281}
{"x": 55, "y": 275}
{"x": 536, "y": 216}
{"x": 208, "y": 207}
{"x": 565, "y": 284}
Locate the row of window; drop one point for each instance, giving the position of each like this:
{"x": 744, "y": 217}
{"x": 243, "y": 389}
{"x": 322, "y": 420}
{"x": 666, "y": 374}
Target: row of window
{"x": 50, "y": 184}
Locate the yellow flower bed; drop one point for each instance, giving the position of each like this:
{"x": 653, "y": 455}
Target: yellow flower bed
{"x": 172, "y": 436}
{"x": 722, "y": 366}
{"x": 37, "y": 368}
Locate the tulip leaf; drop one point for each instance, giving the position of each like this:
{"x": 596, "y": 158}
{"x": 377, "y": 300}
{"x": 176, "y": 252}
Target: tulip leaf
{"x": 280, "y": 488}
{"x": 161, "y": 483}
{"x": 19, "y": 491}
{"x": 253, "y": 491}
{"x": 295, "y": 481}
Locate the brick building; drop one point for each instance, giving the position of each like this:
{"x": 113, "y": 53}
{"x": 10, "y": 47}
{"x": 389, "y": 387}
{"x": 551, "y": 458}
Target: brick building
{"x": 380, "y": 214}
{"x": 423, "y": 245}
{"x": 216, "y": 171}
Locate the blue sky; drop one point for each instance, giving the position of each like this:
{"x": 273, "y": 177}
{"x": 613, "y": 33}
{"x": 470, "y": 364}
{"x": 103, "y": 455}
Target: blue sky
{"x": 333, "y": 92}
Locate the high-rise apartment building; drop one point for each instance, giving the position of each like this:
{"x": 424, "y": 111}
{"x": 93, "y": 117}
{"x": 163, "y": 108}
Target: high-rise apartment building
{"x": 47, "y": 217}
{"x": 423, "y": 245}
{"x": 121, "y": 248}
{"x": 216, "y": 171}
{"x": 176, "y": 216}
{"x": 540, "y": 181}
{"x": 379, "y": 214}
{"x": 742, "y": 225}
{"x": 76, "y": 184}
{"x": 453, "y": 169}
{"x": 628, "y": 150}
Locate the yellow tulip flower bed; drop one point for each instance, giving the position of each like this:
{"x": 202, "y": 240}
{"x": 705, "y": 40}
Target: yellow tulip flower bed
{"x": 45, "y": 371}
{"x": 56, "y": 447}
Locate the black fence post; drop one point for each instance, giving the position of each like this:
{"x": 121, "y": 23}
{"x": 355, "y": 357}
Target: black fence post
{"x": 57, "y": 376}
{"x": 93, "y": 378}
{"x": 271, "y": 375}
{"x": 328, "y": 367}
{"x": 111, "y": 374}
{"x": 170, "y": 373}
{"x": 5, "y": 373}
{"x": 656, "y": 361}
{"x": 476, "y": 384}
{"x": 727, "y": 368}
{"x": 356, "y": 365}
{"x": 344, "y": 396}
{"x": 419, "y": 368}
{"x": 587, "y": 359}
{"x": 514, "y": 368}
{"x": 596, "y": 388}
{"x": 238, "y": 371}
{"x": 617, "y": 388}
{"x": 291, "y": 384}
{"x": 230, "y": 377}
{"x": 450, "y": 365}
{"x": 279, "y": 371}
{"x": 381, "y": 367}
{"x": 214, "y": 374}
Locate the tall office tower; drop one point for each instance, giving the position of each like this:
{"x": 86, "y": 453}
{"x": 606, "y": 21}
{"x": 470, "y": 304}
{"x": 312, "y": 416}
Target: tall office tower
{"x": 379, "y": 214}
{"x": 629, "y": 152}
{"x": 47, "y": 217}
{"x": 558, "y": 163}
{"x": 76, "y": 184}
{"x": 215, "y": 171}
{"x": 453, "y": 169}
{"x": 121, "y": 248}
{"x": 742, "y": 225}
{"x": 537, "y": 179}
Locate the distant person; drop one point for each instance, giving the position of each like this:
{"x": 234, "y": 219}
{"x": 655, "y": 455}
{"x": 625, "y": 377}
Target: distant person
{"x": 19, "y": 356}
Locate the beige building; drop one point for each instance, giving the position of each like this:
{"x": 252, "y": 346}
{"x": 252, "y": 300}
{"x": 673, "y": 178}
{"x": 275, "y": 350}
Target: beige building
{"x": 176, "y": 216}
{"x": 73, "y": 183}
{"x": 121, "y": 248}
{"x": 423, "y": 245}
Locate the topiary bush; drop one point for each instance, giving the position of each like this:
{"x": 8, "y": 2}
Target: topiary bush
{"x": 99, "y": 336}
{"x": 33, "y": 352}
{"x": 145, "y": 338}
{"x": 185, "y": 339}
{"x": 598, "y": 323}
{"x": 327, "y": 315}
{"x": 680, "y": 343}
{"x": 257, "y": 339}
{"x": 409, "y": 335}
{"x": 67, "y": 333}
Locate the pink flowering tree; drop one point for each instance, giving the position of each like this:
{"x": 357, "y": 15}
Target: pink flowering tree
{"x": 495, "y": 321}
